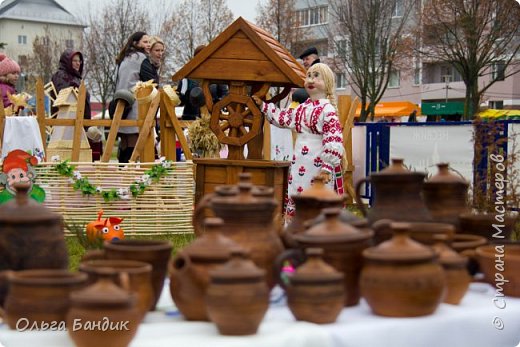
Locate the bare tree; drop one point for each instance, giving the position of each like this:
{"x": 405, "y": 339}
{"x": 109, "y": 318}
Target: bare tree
{"x": 370, "y": 41}
{"x": 477, "y": 37}
{"x": 107, "y": 33}
{"x": 192, "y": 23}
{"x": 277, "y": 17}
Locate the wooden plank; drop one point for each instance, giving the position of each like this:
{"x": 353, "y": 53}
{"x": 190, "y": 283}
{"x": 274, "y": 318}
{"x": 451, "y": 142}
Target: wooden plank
{"x": 2, "y": 124}
{"x": 93, "y": 122}
{"x": 199, "y": 182}
{"x": 178, "y": 129}
{"x": 167, "y": 135}
{"x": 239, "y": 48}
{"x": 40, "y": 112}
{"x": 140, "y": 149}
{"x": 114, "y": 128}
{"x": 250, "y": 163}
{"x": 240, "y": 70}
{"x": 78, "y": 126}
{"x": 267, "y": 140}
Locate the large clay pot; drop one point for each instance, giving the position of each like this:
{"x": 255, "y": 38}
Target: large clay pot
{"x": 139, "y": 276}
{"x": 489, "y": 225}
{"x": 315, "y": 292}
{"x": 455, "y": 271}
{"x": 397, "y": 195}
{"x": 31, "y": 237}
{"x": 189, "y": 270}
{"x": 155, "y": 252}
{"x": 237, "y": 297}
{"x": 446, "y": 195}
{"x": 500, "y": 264}
{"x": 401, "y": 277}
{"x": 103, "y": 314}
{"x": 342, "y": 246}
{"x": 424, "y": 232}
{"x": 249, "y": 221}
{"x": 40, "y": 298}
{"x": 308, "y": 206}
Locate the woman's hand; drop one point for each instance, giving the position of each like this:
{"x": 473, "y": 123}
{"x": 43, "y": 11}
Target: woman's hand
{"x": 325, "y": 176}
{"x": 257, "y": 100}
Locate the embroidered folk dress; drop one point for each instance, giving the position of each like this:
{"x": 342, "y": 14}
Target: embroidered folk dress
{"x": 318, "y": 147}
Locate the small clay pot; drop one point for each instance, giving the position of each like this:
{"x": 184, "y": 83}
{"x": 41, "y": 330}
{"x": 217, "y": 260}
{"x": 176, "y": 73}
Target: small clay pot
{"x": 40, "y": 296}
{"x": 315, "y": 292}
{"x": 189, "y": 270}
{"x": 482, "y": 224}
{"x": 500, "y": 264}
{"x": 455, "y": 271}
{"x": 237, "y": 297}
{"x": 103, "y": 314}
{"x": 401, "y": 277}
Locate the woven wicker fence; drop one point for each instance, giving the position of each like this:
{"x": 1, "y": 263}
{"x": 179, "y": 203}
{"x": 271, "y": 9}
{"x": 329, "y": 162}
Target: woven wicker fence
{"x": 165, "y": 207}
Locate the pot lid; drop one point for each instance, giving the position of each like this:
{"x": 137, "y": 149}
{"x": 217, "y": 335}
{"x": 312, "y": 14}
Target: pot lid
{"x": 319, "y": 191}
{"x": 104, "y": 292}
{"x": 444, "y": 175}
{"x": 238, "y": 269}
{"x": 396, "y": 168}
{"x": 23, "y": 209}
{"x": 332, "y": 230}
{"x": 315, "y": 270}
{"x": 447, "y": 256}
{"x": 247, "y": 196}
{"x": 400, "y": 248}
{"x": 212, "y": 244}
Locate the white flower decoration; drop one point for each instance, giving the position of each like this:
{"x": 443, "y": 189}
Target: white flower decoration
{"x": 71, "y": 181}
{"x": 167, "y": 164}
{"x": 99, "y": 189}
{"x": 55, "y": 158}
{"x": 123, "y": 193}
{"x": 76, "y": 175}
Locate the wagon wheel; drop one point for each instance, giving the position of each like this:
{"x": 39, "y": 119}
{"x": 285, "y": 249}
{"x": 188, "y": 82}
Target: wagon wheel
{"x": 241, "y": 124}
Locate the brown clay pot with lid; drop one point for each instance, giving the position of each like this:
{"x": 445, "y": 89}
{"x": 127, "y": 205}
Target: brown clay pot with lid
{"x": 31, "y": 237}
{"x": 308, "y": 206}
{"x": 397, "y": 195}
{"x": 189, "y": 270}
{"x": 40, "y": 297}
{"x": 249, "y": 221}
{"x": 237, "y": 297}
{"x": 103, "y": 314}
{"x": 455, "y": 271}
{"x": 445, "y": 195}
{"x": 315, "y": 292}
{"x": 401, "y": 277}
{"x": 342, "y": 246}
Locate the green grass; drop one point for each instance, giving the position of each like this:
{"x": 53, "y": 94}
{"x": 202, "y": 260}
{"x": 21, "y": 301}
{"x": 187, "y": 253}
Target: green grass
{"x": 76, "y": 250}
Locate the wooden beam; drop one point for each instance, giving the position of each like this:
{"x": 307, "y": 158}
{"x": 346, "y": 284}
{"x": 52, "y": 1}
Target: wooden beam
{"x": 178, "y": 128}
{"x": 167, "y": 134}
{"x": 40, "y": 112}
{"x": 114, "y": 128}
{"x": 94, "y": 122}
{"x": 78, "y": 126}
{"x": 145, "y": 132}
{"x": 2, "y": 124}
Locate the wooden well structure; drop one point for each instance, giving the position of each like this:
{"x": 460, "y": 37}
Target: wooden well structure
{"x": 250, "y": 61}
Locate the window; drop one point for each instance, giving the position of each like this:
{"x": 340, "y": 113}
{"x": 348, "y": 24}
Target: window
{"x": 23, "y": 60}
{"x": 394, "y": 79}
{"x": 398, "y": 9}
{"x": 341, "y": 81}
{"x": 497, "y": 105}
{"x": 69, "y": 44}
{"x": 449, "y": 72}
{"x": 22, "y": 39}
{"x": 312, "y": 16}
{"x": 341, "y": 48}
{"x": 417, "y": 76}
{"x": 498, "y": 71}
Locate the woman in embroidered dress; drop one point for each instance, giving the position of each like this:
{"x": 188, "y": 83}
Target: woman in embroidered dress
{"x": 319, "y": 146}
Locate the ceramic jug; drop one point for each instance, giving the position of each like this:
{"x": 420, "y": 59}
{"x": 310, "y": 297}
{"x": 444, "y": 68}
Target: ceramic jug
{"x": 396, "y": 195}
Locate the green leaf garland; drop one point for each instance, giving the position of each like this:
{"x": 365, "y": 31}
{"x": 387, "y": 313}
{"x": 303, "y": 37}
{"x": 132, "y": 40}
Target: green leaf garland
{"x": 152, "y": 175}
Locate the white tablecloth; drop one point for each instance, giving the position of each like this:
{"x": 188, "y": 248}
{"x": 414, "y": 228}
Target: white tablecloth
{"x": 466, "y": 325}
{"x": 22, "y": 133}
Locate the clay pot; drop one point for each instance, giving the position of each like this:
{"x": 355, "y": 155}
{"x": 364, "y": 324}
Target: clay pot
{"x": 500, "y": 263}
{"x": 423, "y": 232}
{"x": 139, "y": 276}
{"x": 488, "y": 224}
{"x": 31, "y": 237}
{"x": 189, "y": 270}
{"x": 103, "y": 314}
{"x": 446, "y": 195}
{"x": 316, "y": 293}
{"x": 401, "y": 277}
{"x": 455, "y": 271}
{"x": 238, "y": 296}
{"x": 39, "y": 297}
{"x": 397, "y": 195}
{"x": 342, "y": 246}
{"x": 308, "y": 206}
{"x": 466, "y": 244}
{"x": 249, "y": 221}
{"x": 154, "y": 252}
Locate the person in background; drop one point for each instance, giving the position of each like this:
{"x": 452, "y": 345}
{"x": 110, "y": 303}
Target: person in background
{"x": 9, "y": 73}
{"x": 156, "y": 56}
{"x": 132, "y": 67}
{"x": 318, "y": 150}
{"x": 309, "y": 57}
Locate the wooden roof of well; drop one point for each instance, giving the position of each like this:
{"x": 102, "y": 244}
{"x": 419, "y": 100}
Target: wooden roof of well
{"x": 244, "y": 52}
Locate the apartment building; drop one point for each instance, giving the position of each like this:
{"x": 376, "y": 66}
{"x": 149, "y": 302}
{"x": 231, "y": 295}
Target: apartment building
{"x": 437, "y": 87}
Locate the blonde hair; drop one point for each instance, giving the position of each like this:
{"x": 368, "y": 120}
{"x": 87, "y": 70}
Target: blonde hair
{"x": 329, "y": 79}
{"x": 155, "y": 40}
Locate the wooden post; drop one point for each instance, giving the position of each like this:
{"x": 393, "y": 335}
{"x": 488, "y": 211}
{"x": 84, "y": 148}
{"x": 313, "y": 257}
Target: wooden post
{"x": 141, "y": 149}
{"x": 114, "y": 128}
{"x": 78, "y": 125}
{"x": 2, "y": 124}
{"x": 148, "y": 153}
{"x": 347, "y": 111}
{"x": 168, "y": 145}
{"x": 40, "y": 112}
{"x": 267, "y": 140}
{"x": 170, "y": 111}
